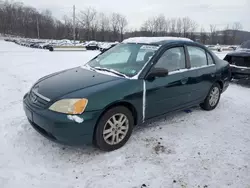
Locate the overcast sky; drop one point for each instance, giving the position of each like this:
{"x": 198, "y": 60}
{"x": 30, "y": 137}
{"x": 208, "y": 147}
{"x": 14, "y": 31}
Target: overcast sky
{"x": 220, "y": 12}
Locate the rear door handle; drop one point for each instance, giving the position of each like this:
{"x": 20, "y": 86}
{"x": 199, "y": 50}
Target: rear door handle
{"x": 184, "y": 80}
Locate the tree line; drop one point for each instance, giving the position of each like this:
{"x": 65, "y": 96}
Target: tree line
{"x": 20, "y": 20}
{"x": 186, "y": 27}
{"x": 25, "y": 21}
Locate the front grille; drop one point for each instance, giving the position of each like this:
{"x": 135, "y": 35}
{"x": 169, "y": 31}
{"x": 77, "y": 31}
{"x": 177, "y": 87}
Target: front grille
{"x": 37, "y": 101}
{"x": 241, "y": 61}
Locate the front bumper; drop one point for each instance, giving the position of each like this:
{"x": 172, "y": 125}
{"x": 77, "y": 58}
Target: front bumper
{"x": 240, "y": 72}
{"x": 59, "y": 128}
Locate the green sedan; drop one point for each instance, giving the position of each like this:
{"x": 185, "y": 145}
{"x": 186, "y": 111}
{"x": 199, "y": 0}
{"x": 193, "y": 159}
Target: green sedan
{"x": 137, "y": 81}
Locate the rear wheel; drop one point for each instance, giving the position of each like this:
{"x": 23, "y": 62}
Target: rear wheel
{"x": 114, "y": 129}
{"x": 213, "y": 98}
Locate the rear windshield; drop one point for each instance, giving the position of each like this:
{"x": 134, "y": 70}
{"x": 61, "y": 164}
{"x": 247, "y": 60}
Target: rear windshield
{"x": 239, "y": 61}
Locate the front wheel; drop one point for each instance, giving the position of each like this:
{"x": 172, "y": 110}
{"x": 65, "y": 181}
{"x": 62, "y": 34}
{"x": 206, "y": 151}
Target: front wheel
{"x": 114, "y": 129}
{"x": 212, "y": 99}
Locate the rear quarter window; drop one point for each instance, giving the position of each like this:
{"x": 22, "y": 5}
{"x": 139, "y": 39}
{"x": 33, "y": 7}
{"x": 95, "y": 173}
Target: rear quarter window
{"x": 210, "y": 59}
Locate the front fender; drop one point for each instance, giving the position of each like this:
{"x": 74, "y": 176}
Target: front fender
{"x": 103, "y": 95}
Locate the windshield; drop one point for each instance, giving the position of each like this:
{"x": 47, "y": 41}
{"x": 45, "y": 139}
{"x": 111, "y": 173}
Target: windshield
{"x": 126, "y": 59}
{"x": 246, "y": 45}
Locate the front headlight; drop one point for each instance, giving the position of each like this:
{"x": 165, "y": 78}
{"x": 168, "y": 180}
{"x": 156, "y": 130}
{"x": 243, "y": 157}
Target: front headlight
{"x": 69, "y": 106}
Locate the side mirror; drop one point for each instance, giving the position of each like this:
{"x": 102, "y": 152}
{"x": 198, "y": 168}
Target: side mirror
{"x": 157, "y": 72}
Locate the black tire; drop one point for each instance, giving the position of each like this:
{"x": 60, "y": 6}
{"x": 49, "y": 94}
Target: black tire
{"x": 206, "y": 104}
{"x": 98, "y": 136}
{"x": 51, "y": 49}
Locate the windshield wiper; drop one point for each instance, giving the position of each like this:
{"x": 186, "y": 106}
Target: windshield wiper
{"x": 110, "y": 70}
{"x": 89, "y": 67}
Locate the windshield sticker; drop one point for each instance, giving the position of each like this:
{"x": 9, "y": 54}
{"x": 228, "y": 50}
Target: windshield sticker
{"x": 149, "y": 47}
{"x": 133, "y": 71}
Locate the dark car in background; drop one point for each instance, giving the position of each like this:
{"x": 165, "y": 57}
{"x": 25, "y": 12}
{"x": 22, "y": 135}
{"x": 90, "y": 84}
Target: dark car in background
{"x": 239, "y": 61}
{"x": 48, "y": 46}
{"x": 7, "y": 40}
{"x": 92, "y": 45}
{"x": 137, "y": 81}
{"x": 107, "y": 46}
{"x": 34, "y": 44}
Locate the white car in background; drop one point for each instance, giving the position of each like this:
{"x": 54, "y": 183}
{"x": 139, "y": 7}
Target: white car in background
{"x": 216, "y": 47}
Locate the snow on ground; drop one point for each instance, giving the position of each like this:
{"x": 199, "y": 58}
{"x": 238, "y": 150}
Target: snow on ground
{"x": 197, "y": 149}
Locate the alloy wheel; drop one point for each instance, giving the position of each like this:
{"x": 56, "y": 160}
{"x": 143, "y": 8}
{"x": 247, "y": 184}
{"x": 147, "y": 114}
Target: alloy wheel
{"x": 115, "y": 129}
{"x": 214, "y": 96}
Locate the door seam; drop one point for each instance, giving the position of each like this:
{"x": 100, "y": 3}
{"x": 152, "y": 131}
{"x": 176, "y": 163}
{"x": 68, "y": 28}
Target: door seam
{"x": 144, "y": 101}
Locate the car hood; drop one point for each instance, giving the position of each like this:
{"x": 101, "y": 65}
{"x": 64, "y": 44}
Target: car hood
{"x": 59, "y": 84}
{"x": 240, "y": 53}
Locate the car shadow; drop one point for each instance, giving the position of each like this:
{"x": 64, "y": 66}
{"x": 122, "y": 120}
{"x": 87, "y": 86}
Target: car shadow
{"x": 242, "y": 82}
{"x": 170, "y": 118}
{"x": 29, "y": 139}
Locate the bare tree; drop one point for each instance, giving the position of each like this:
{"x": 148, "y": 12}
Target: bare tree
{"x": 213, "y": 33}
{"x": 193, "y": 28}
{"x": 87, "y": 18}
{"x": 236, "y": 27}
{"x": 186, "y": 25}
{"x": 172, "y": 24}
{"x": 226, "y": 36}
{"x": 20, "y": 20}
{"x": 159, "y": 24}
{"x": 104, "y": 26}
{"x": 68, "y": 26}
{"x": 167, "y": 26}
{"x": 94, "y": 29}
{"x": 189, "y": 26}
{"x": 203, "y": 36}
{"x": 148, "y": 26}
{"x": 115, "y": 25}
{"x": 144, "y": 27}
{"x": 179, "y": 27}
{"x": 122, "y": 22}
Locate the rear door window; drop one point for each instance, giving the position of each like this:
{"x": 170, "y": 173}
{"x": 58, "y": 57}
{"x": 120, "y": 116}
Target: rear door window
{"x": 198, "y": 57}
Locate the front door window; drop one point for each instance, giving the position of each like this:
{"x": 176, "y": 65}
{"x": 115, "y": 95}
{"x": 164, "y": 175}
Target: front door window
{"x": 172, "y": 60}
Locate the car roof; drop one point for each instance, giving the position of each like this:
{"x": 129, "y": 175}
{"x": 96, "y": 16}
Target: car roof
{"x": 156, "y": 40}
